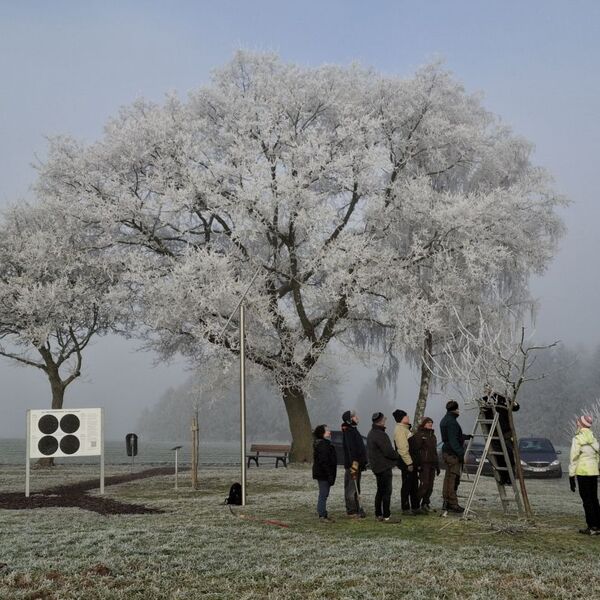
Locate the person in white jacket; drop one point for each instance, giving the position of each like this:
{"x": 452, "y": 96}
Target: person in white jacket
{"x": 583, "y": 466}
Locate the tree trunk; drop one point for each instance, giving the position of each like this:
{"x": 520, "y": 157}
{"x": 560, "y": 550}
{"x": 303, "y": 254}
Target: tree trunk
{"x": 426, "y": 373}
{"x": 58, "y": 394}
{"x": 300, "y": 427}
{"x": 518, "y": 467}
{"x": 58, "y": 390}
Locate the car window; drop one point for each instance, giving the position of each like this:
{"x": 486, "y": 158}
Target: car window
{"x": 336, "y": 436}
{"x": 536, "y": 445}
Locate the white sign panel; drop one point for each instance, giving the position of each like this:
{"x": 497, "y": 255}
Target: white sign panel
{"x": 70, "y": 432}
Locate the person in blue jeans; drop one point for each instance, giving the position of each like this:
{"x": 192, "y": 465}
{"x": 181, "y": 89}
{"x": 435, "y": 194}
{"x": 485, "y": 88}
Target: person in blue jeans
{"x": 324, "y": 468}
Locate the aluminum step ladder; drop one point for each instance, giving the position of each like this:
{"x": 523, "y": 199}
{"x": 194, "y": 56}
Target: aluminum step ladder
{"x": 491, "y": 431}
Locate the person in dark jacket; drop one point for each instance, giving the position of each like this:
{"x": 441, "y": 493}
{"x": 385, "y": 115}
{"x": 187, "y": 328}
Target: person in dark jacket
{"x": 502, "y": 405}
{"x": 453, "y": 454}
{"x": 424, "y": 451}
{"x": 324, "y": 468}
{"x": 355, "y": 461}
{"x": 382, "y": 460}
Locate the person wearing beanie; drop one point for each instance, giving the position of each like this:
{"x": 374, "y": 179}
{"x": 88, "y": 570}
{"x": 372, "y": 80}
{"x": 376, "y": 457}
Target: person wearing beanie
{"x": 583, "y": 472}
{"x": 453, "y": 454}
{"x": 410, "y": 483}
{"x": 324, "y": 468}
{"x": 424, "y": 450}
{"x": 355, "y": 461}
{"x": 382, "y": 460}
{"x": 488, "y": 402}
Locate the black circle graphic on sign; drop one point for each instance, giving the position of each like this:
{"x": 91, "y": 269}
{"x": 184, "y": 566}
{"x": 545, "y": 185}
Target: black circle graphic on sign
{"x": 48, "y": 424}
{"x": 48, "y": 445}
{"x": 69, "y": 444}
{"x": 69, "y": 423}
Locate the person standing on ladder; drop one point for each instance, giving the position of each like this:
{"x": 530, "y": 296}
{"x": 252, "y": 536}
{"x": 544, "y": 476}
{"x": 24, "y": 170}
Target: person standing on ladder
{"x": 453, "y": 453}
{"x": 493, "y": 399}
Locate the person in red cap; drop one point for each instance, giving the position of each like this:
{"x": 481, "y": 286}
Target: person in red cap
{"x": 424, "y": 446}
{"x": 583, "y": 472}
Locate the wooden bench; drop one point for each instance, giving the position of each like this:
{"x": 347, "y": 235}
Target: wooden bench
{"x": 279, "y": 452}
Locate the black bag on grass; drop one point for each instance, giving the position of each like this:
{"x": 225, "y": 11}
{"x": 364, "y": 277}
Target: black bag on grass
{"x": 235, "y": 494}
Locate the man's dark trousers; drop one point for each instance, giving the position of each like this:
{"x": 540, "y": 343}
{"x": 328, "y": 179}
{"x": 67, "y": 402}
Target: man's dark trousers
{"x": 383, "y": 496}
{"x": 409, "y": 492}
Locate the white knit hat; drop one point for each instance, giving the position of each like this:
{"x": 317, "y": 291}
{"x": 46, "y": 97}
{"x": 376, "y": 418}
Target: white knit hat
{"x": 585, "y": 421}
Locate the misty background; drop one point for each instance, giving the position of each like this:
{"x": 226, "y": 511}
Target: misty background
{"x": 67, "y": 66}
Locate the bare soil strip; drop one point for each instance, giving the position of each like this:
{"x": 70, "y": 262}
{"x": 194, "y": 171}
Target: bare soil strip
{"x": 75, "y": 495}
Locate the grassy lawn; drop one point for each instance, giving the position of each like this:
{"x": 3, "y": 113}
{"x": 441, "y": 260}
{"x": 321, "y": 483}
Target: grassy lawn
{"x": 198, "y": 549}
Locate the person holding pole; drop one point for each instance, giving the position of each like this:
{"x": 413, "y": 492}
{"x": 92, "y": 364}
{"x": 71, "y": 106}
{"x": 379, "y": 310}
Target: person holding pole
{"x": 355, "y": 461}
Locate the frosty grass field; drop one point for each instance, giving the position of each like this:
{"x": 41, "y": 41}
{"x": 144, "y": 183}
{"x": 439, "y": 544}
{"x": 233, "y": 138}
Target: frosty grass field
{"x": 198, "y": 549}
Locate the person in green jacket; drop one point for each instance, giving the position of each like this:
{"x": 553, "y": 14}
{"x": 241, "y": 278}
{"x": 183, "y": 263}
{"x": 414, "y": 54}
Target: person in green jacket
{"x": 583, "y": 465}
{"x": 453, "y": 454}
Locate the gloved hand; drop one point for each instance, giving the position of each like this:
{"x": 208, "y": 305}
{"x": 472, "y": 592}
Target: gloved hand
{"x": 354, "y": 469}
{"x": 410, "y": 468}
{"x": 572, "y": 484}
{"x": 437, "y": 471}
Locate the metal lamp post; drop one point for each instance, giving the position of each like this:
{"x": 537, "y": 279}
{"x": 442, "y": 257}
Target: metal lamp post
{"x": 243, "y": 401}
{"x": 242, "y": 308}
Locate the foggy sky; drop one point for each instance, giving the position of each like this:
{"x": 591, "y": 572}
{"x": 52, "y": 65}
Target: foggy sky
{"x": 66, "y": 66}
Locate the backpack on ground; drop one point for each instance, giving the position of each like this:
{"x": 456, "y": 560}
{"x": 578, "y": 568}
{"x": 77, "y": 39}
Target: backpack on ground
{"x": 235, "y": 494}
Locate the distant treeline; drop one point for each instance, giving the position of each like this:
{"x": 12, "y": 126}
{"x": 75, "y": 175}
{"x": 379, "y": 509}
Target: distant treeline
{"x": 219, "y": 411}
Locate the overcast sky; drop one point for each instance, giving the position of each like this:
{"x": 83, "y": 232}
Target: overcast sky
{"x": 66, "y": 66}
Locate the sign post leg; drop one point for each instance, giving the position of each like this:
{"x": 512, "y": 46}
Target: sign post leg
{"x": 102, "y": 451}
{"x": 27, "y": 456}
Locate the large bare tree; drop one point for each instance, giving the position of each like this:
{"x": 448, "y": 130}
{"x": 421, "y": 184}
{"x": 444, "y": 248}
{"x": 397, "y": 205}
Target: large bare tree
{"x": 336, "y": 185}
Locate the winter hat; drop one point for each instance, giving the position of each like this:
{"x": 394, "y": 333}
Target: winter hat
{"x": 319, "y": 431}
{"x": 377, "y": 417}
{"x": 425, "y": 421}
{"x": 585, "y": 421}
{"x": 451, "y": 405}
{"x": 347, "y": 417}
{"x": 398, "y": 415}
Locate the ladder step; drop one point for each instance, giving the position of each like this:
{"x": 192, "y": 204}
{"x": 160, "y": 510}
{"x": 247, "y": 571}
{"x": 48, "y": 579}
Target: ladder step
{"x": 485, "y": 435}
{"x": 488, "y": 421}
{"x": 495, "y": 453}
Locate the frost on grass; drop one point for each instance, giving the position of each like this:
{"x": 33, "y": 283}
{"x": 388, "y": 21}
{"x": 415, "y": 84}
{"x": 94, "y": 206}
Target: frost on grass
{"x": 198, "y": 548}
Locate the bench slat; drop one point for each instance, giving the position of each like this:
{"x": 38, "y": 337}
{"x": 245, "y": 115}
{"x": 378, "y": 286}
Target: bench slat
{"x": 269, "y": 448}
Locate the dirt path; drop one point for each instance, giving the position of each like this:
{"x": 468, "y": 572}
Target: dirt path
{"x": 76, "y": 495}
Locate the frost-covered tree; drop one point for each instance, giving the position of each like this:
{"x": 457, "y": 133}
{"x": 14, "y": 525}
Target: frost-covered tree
{"x": 56, "y": 293}
{"x": 366, "y": 204}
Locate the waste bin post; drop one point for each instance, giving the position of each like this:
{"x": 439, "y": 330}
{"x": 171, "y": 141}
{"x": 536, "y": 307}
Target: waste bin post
{"x": 176, "y": 448}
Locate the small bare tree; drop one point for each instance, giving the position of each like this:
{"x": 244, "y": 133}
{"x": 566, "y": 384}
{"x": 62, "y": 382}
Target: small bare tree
{"x": 499, "y": 356}
{"x": 56, "y": 294}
